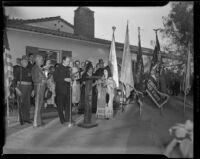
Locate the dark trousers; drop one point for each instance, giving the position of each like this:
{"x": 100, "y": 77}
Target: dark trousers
{"x": 39, "y": 101}
{"x": 24, "y": 103}
{"x": 63, "y": 104}
{"x": 94, "y": 99}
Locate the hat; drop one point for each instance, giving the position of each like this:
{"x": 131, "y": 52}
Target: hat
{"x": 101, "y": 60}
{"x": 24, "y": 57}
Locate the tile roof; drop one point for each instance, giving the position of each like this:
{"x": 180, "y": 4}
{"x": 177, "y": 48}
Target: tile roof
{"x": 21, "y": 24}
{"x": 24, "y": 21}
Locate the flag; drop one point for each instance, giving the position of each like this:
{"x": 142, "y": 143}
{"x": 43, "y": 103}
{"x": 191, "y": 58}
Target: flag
{"x": 8, "y": 69}
{"x": 187, "y": 73}
{"x": 139, "y": 66}
{"x": 156, "y": 53}
{"x": 153, "y": 88}
{"x": 113, "y": 61}
{"x": 126, "y": 70}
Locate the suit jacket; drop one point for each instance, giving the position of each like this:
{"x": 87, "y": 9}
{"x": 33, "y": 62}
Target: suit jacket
{"x": 38, "y": 76}
{"x": 61, "y": 72}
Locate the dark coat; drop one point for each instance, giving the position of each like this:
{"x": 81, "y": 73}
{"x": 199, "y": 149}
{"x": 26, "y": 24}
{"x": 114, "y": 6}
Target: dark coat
{"x": 61, "y": 72}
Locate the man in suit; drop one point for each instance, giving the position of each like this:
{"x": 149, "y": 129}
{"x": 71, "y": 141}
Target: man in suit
{"x": 39, "y": 80}
{"x": 62, "y": 79}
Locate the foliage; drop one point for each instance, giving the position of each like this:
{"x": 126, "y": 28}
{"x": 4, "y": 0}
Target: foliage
{"x": 178, "y": 28}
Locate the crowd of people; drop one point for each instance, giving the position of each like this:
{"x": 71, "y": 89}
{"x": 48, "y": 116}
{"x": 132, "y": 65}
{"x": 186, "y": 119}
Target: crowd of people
{"x": 40, "y": 83}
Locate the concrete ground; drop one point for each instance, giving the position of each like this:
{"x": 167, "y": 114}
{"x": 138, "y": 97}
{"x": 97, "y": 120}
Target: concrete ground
{"x": 127, "y": 133}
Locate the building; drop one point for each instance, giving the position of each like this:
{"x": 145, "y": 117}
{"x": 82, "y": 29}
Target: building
{"x": 53, "y": 37}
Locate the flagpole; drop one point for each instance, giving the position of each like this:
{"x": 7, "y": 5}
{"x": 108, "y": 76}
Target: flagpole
{"x": 186, "y": 78}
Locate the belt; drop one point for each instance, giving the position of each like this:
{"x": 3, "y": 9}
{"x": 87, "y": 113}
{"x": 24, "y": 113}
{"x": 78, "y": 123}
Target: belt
{"x": 24, "y": 83}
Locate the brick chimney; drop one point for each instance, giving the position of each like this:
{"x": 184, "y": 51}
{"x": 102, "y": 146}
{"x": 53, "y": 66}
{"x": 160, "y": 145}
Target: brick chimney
{"x": 84, "y": 22}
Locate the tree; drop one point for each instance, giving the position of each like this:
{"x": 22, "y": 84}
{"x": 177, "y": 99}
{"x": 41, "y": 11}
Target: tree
{"x": 178, "y": 28}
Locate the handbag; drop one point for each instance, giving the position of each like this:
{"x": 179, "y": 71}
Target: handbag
{"x": 48, "y": 94}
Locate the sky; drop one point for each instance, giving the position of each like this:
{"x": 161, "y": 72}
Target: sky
{"x": 147, "y": 18}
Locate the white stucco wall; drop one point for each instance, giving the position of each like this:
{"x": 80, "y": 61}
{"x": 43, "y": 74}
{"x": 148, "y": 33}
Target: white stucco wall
{"x": 18, "y": 40}
{"x": 51, "y": 25}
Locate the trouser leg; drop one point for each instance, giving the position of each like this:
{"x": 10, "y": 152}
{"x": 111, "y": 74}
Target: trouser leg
{"x": 19, "y": 101}
{"x": 66, "y": 104}
{"x": 59, "y": 101}
{"x": 38, "y": 104}
{"x": 26, "y": 103}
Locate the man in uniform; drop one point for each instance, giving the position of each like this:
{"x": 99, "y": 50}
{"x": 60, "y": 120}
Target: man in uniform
{"x": 22, "y": 79}
{"x": 31, "y": 63}
{"x": 62, "y": 79}
{"x": 39, "y": 80}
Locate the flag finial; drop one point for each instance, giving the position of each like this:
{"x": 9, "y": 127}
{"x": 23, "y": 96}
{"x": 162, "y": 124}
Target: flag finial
{"x": 113, "y": 28}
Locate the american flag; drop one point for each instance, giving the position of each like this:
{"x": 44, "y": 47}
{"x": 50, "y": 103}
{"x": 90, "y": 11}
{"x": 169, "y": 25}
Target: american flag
{"x": 8, "y": 68}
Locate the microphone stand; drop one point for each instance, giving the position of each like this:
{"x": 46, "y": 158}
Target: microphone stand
{"x": 71, "y": 124}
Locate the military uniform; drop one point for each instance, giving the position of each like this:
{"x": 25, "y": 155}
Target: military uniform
{"x": 30, "y": 66}
{"x": 23, "y": 81}
{"x": 39, "y": 80}
{"x": 62, "y": 92}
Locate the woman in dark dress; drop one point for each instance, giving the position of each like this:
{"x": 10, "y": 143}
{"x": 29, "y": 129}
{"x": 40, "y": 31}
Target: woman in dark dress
{"x": 82, "y": 98}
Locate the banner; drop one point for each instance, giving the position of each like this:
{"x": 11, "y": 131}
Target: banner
{"x": 139, "y": 66}
{"x": 112, "y": 61}
{"x": 126, "y": 70}
{"x": 159, "y": 98}
{"x": 153, "y": 82}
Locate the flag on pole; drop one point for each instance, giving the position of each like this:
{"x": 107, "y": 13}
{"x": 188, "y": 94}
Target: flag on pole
{"x": 139, "y": 66}
{"x": 126, "y": 69}
{"x": 156, "y": 54}
{"x": 153, "y": 88}
{"x": 8, "y": 68}
{"x": 112, "y": 61}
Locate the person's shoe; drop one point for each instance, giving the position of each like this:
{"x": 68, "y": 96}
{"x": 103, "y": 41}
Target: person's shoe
{"x": 28, "y": 121}
{"x": 21, "y": 122}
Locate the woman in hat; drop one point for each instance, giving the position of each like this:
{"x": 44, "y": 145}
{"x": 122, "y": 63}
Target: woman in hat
{"x": 51, "y": 87}
{"x": 75, "y": 86}
{"x": 87, "y": 73}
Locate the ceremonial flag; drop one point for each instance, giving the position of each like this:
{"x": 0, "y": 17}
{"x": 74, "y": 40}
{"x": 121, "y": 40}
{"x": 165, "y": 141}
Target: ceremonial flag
{"x": 152, "y": 88}
{"x": 139, "y": 66}
{"x": 187, "y": 76}
{"x": 126, "y": 70}
{"x": 8, "y": 69}
{"x": 156, "y": 54}
{"x": 113, "y": 61}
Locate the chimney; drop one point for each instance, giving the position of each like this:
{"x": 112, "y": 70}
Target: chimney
{"x": 84, "y": 22}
